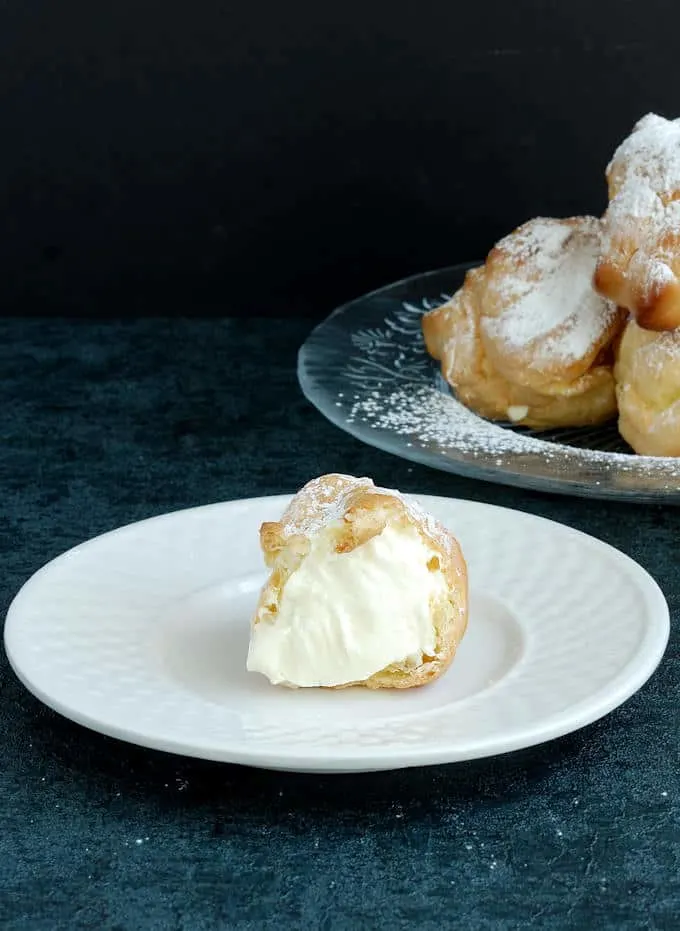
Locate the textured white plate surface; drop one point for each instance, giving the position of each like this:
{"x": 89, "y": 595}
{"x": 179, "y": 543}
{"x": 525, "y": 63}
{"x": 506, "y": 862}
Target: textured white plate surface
{"x": 142, "y": 634}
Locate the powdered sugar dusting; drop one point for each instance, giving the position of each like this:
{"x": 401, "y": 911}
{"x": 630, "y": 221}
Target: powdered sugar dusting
{"x": 660, "y": 352}
{"x": 543, "y": 294}
{"x": 431, "y": 418}
{"x": 649, "y": 160}
{"x": 538, "y": 243}
{"x": 320, "y": 503}
{"x": 325, "y": 500}
{"x": 645, "y": 173}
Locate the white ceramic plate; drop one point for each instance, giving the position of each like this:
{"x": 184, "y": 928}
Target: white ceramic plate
{"x": 142, "y": 634}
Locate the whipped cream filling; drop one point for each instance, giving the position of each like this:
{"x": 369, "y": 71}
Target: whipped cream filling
{"x": 344, "y": 616}
{"x": 517, "y": 412}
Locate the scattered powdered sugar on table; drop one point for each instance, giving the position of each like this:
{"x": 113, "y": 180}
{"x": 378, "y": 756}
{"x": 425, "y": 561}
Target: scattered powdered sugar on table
{"x": 547, "y": 297}
{"x": 431, "y": 418}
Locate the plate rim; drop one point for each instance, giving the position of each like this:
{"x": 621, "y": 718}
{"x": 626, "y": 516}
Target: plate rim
{"x": 626, "y": 682}
{"x": 470, "y": 470}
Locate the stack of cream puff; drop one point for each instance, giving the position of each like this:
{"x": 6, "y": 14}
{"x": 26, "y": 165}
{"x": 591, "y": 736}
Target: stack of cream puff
{"x": 570, "y": 321}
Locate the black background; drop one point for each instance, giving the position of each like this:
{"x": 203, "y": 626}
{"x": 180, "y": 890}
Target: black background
{"x": 279, "y": 158}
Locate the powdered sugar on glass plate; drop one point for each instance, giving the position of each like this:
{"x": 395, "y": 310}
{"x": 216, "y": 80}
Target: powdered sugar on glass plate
{"x": 432, "y": 418}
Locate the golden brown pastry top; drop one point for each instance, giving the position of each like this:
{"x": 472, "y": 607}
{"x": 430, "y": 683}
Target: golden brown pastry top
{"x": 364, "y": 508}
{"x": 526, "y": 338}
{"x": 540, "y": 311}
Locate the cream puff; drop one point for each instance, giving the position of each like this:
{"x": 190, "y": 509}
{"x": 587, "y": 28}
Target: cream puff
{"x": 639, "y": 266}
{"x": 365, "y": 589}
{"x": 527, "y": 339}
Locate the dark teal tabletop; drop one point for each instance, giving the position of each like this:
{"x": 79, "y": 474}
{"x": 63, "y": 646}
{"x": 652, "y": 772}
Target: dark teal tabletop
{"x": 106, "y": 423}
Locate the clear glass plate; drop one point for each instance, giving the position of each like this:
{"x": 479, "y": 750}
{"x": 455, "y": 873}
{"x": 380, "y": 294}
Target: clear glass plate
{"x": 366, "y": 369}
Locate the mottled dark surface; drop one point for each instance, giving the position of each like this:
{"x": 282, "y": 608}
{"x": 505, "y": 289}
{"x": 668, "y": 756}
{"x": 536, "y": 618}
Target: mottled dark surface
{"x": 104, "y": 424}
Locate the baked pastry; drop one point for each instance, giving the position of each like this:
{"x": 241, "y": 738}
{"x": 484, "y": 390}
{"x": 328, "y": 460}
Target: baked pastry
{"x": 527, "y": 339}
{"x": 648, "y": 390}
{"x": 365, "y": 589}
{"x": 640, "y": 261}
